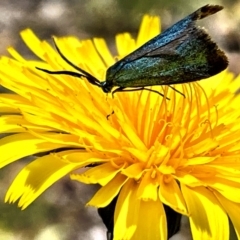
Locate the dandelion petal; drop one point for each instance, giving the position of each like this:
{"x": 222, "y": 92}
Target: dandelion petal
{"x": 29, "y": 184}
{"x": 208, "y": 220}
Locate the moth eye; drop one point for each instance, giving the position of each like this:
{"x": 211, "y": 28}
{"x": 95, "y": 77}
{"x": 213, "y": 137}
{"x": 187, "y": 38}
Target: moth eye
{"x": 106, "y": 86}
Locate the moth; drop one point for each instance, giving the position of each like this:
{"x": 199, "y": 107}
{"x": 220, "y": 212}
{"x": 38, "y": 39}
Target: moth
{"x": 183, "y": 53}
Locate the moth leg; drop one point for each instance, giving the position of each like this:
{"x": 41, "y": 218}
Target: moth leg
{"x": 147, "y": 89}
{"x": 119, "y": 89}
{"x": 110, "y": 114}
{"x": 123, "y": 89}
{"x": 177, "y": 91}
{"x": 155, "y": 91}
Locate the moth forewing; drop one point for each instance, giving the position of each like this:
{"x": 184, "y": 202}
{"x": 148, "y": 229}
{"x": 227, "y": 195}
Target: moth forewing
{"x": 182, "y": 53}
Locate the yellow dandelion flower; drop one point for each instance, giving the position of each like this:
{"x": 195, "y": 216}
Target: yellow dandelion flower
{"x": 182, "y": 152}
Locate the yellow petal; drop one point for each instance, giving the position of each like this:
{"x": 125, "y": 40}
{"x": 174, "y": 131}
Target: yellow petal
{"x": 233, "y": 211}
{"x": 208, "y": 219}
{"x": 171, "y": 195}
{"x": 101, "y": 174}
{"x": 20, "y": 145}
{"x": 149, "y": 28}
{"x": 148, "y": 186}
{"x": 29, "y": 184}
{"x": 137, "y": 219}
{"x": 103, "y": 50}
{"x": 125, "y": 44}
{"x": 152, "y": 223}
{"x": 126, "y": 212}
{"x": 107, "y": 193}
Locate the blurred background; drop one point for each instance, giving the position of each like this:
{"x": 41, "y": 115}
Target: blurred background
{"x": 60, "y": 213}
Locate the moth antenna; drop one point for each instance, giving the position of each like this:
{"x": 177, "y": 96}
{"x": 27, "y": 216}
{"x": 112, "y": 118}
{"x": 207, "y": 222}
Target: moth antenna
{"x": 74, "y": 74}
{"x": 91, "y": 79}
{"x": 87, "y": 75}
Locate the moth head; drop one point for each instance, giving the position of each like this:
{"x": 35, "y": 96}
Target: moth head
{"x": 106, "y": 86}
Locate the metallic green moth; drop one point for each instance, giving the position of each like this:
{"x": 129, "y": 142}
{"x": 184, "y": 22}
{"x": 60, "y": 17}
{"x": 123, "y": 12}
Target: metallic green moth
{"x": 183, "y": 53}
